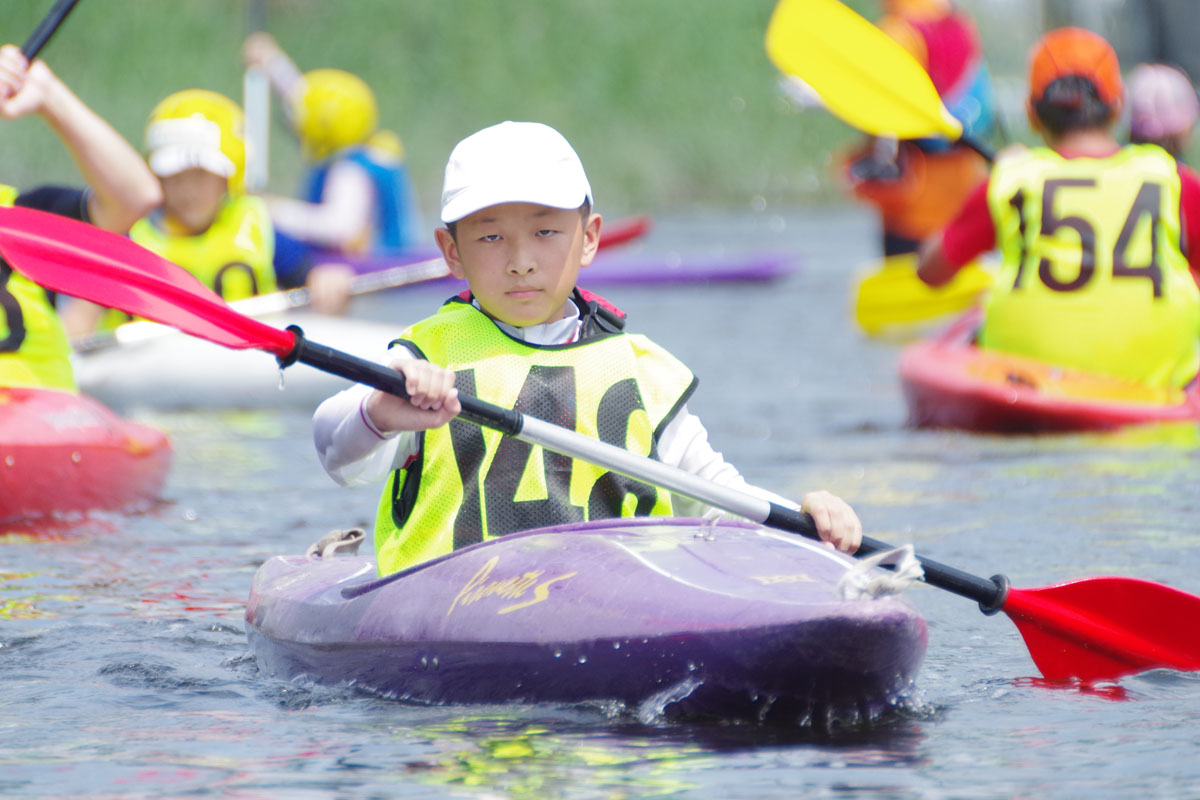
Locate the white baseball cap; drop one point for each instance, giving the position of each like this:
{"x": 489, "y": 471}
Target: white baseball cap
{"x": 513, "y": 162}
{"x": 184, "y": 143}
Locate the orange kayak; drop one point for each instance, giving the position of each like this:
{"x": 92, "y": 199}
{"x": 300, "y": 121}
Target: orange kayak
{"x": 950, "y": 383}
{"x": 62, "y": 452}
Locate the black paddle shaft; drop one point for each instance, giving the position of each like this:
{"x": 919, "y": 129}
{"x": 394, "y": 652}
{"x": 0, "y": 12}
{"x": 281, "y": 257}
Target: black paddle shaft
{"x": 386, "y": 379}
{"x": 989, "y": 593}
{"x": 46, "y": 28}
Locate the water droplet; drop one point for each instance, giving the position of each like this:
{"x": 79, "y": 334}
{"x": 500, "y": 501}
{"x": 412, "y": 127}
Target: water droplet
{"x": 616, "y": 645}
{"x": 557, "y": 653}
{"x": 434, "y": 663}
{"x": 9, "y": 461}
{"x": 424, "y": 662}
{"x": 281, "y": 386}
{"x": 190, "y": 514}
{"x": 582, "y": 659}
{"x": 76, "y": 457}
{"x": 691, "y": 666}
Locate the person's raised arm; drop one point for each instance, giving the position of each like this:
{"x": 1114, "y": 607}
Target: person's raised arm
{"x": 261, "y": 50}
{"x": 969, "y": 235}
{"x": 932, "y": 266}
{"x": 123, "y": 190}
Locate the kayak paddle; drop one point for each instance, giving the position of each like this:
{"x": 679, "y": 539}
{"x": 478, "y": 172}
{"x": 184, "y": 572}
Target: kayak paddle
{"x": 870, "y": 81}
{"x": 892, "y": 298}
{"x": 1091, "y": 629}
{"x": 256, "y": 104}
{"x": 270, "y": 303}
{"x": 619, "y": 232}
{"x": 46, "y": 28}
{"x": 865, "y": 78}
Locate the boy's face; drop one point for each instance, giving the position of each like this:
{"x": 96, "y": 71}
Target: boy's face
{"x": 521, "y": 259}
{"x": 192, "y": 198}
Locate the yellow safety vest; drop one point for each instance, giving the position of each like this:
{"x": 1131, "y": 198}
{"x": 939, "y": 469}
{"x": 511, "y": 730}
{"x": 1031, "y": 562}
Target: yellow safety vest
{"x": 233, "y": 257}
{"x": 1093, "y": 275}
{"x": 34, "y": 351}
{"x": 470, "y": 483}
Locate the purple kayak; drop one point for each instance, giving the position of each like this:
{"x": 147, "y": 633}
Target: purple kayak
{"x": 674, "y": 616}
{"x": 637, "y": 269}
{"x": 622, "y": 267}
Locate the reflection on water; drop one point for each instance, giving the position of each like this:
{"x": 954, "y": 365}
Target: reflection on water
{"x": 16, "y": 605}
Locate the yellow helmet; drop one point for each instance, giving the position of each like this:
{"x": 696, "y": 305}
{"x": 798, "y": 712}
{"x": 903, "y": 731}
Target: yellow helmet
{"x": 333, "y": 109}
{"x": 197, "y": 128}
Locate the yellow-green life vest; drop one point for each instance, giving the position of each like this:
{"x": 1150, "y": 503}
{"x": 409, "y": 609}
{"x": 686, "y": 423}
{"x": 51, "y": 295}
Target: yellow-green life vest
{"x": 233, "y": 257}
{"x": 470, "y": 483}
{"x": 1093, "y": 275}
{"x": 34, "y": 351}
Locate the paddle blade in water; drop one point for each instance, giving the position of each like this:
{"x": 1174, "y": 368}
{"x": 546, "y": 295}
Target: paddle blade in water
{"x": 861, "y": 74}
{"x": 81, "y": 260}
{"x": 1103, "y": 628}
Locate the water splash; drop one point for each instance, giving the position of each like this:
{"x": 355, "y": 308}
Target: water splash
{"x": 652, "y": 710}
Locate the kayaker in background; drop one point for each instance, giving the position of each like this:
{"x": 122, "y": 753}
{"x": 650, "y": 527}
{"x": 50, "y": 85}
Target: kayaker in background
{"x": 1163, "y": 108}
{"x": 207, "y": 223}
{"x": 519, "y": 227}
{"x": 358, "y": 199}
{"x": 120, "y": 189}
{"x": 1094, "y": 273}
{"x": 917, "y": 185}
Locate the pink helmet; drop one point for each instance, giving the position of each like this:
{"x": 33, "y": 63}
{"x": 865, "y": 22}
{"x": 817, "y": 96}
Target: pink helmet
{"x": 1163, "y": 102}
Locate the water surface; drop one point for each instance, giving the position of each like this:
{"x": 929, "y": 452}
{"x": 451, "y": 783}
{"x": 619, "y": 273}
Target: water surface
{"x": 123, "y": 662}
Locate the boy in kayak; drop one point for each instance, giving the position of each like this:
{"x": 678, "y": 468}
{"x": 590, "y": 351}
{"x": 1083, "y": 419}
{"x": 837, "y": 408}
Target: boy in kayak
{"x": 917, "y": 185}
{"x": 519, "y": 227}
{"x": 207, "y": 223}
{"x": 1095, "y": 272}
{"x": 1163, "y": 107}
{"x": 33, "y": 345}
{"x": 358, "y": 199}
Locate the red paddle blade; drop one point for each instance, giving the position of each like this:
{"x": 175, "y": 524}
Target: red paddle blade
{"x": 81, "y": 260}
{"x": 1103, "y": 628}
{"x": 624, "y": 230}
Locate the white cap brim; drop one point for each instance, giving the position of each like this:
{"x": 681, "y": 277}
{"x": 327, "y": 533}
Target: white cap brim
{"x": 168, "y": 161}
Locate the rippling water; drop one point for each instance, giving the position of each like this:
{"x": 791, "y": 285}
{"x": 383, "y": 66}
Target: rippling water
{"x": 123, "y": 662}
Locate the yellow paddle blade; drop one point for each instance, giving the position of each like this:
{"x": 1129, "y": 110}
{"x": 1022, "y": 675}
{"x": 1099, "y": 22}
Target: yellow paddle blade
{"x": 863, "y": 75}
{"x": 893, "y": 298}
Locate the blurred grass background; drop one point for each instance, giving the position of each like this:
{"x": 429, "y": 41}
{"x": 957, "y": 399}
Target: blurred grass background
{"x": 672, "y": 104}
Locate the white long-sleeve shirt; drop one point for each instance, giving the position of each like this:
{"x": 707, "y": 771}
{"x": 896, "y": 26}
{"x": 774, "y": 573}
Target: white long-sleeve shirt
{"x": 354, "y": 452}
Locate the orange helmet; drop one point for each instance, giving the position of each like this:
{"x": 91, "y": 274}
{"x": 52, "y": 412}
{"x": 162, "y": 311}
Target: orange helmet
{"x": 1075, "y": 51}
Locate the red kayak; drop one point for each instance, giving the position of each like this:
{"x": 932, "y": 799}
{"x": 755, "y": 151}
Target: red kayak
{"x": 63, "y": 452}
{"x": 950, "y": 383}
